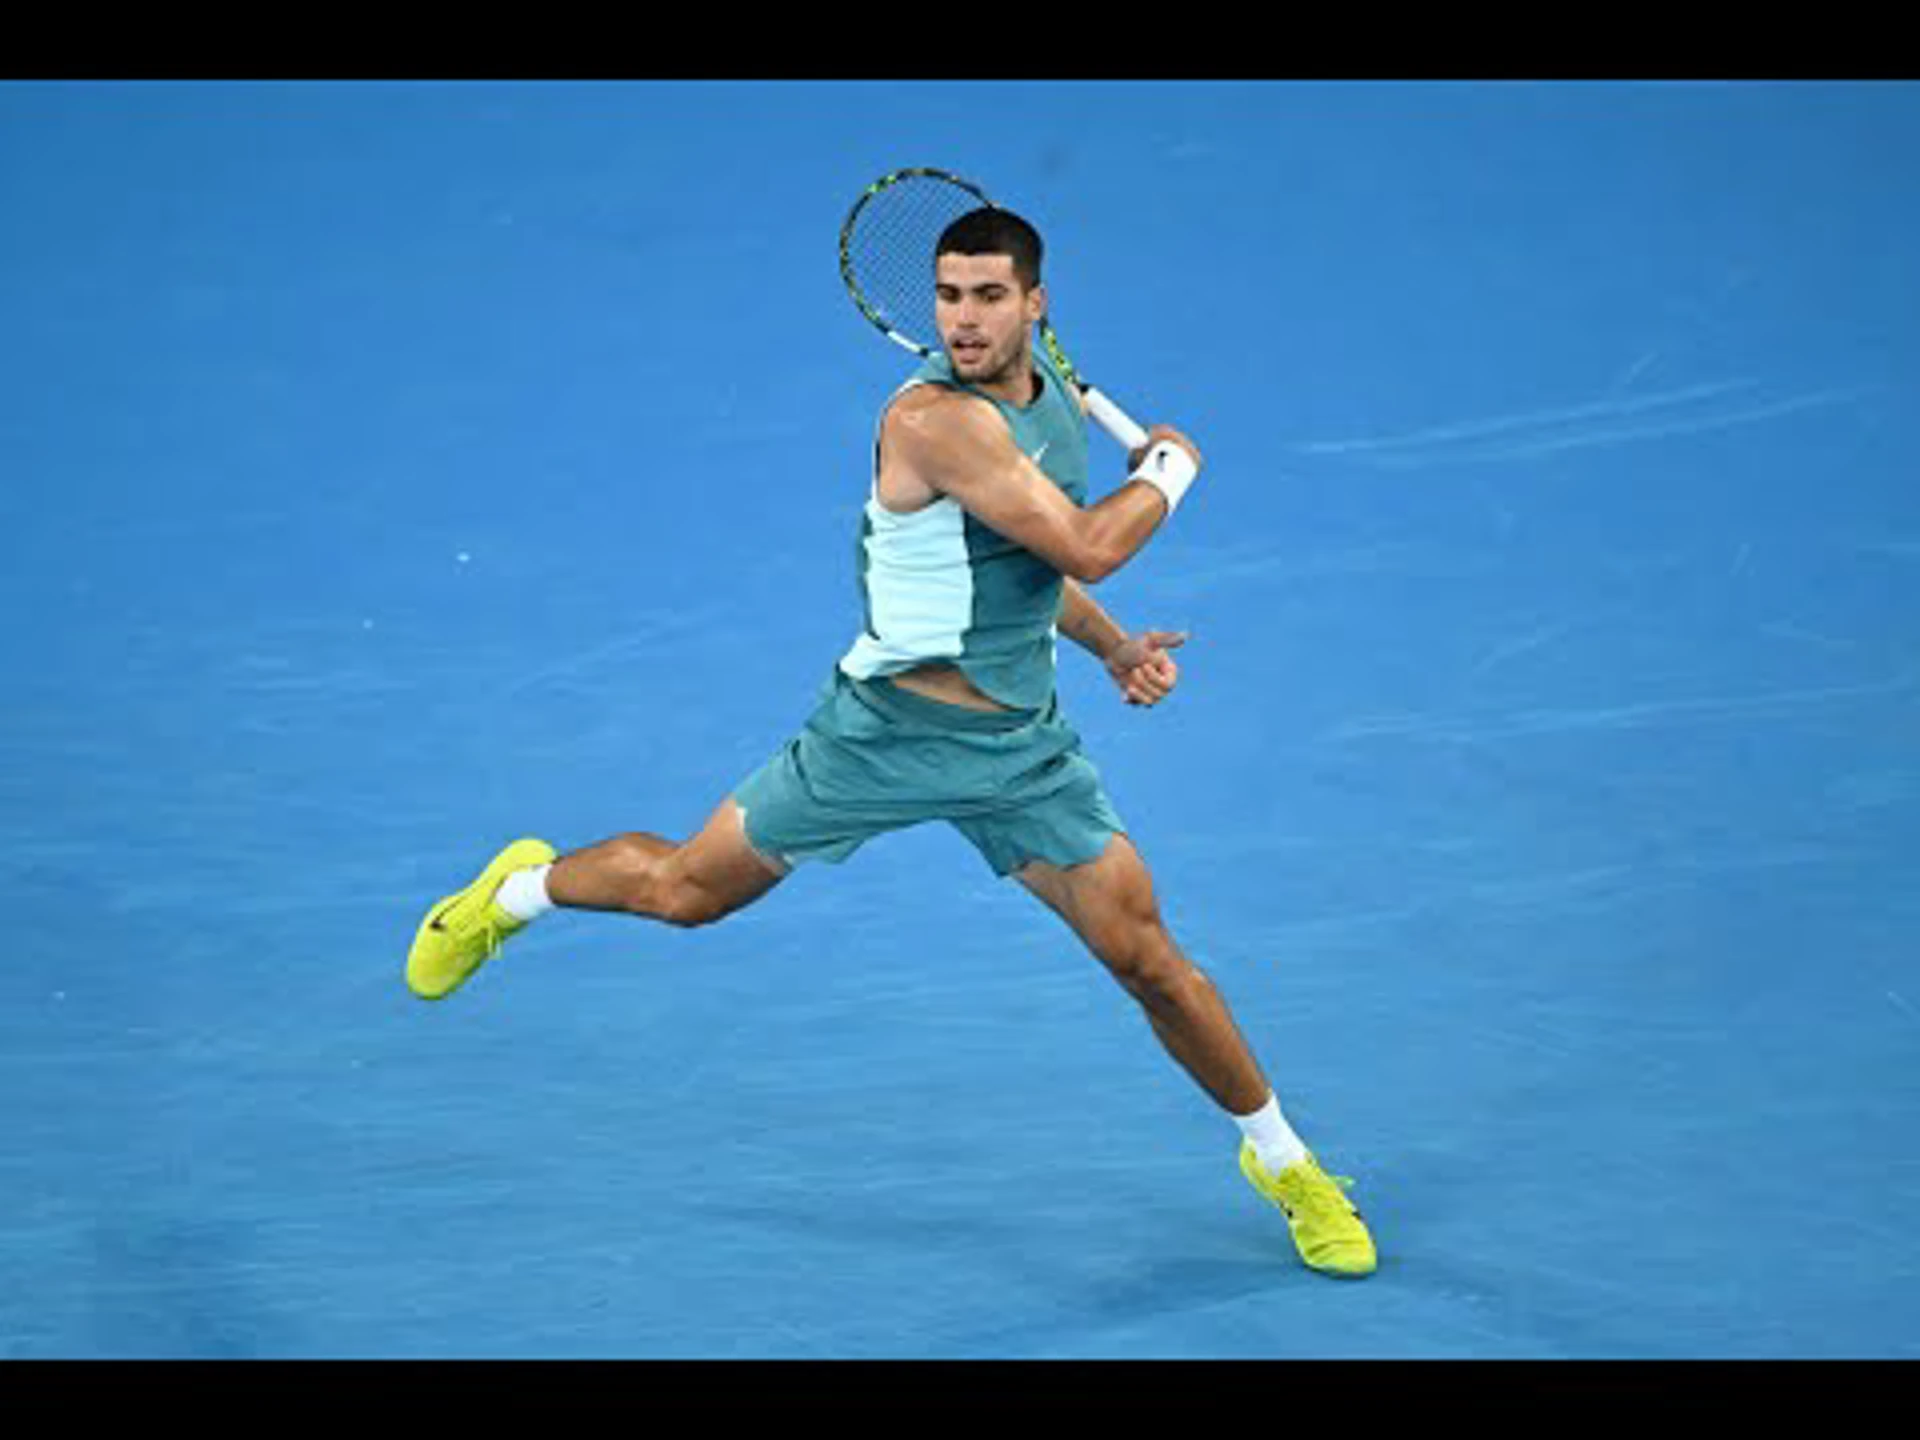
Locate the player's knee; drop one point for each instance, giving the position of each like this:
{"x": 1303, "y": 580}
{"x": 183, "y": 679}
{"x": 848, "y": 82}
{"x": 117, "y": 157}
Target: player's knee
{"x": 687, "y": 906}
{"x": 1149, "y": 966}
{"x": 1132, "y": 935}
{"x": 659, "y": 888}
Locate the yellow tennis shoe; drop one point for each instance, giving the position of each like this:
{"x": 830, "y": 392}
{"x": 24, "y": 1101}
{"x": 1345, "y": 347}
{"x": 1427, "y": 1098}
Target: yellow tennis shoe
{"x": 466, "y": 929}
{"x": 1327, "y": 1230}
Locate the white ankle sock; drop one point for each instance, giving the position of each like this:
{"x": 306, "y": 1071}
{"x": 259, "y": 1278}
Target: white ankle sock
{"x": 1273, "y": 1139}
{"x": 523, "y": 894}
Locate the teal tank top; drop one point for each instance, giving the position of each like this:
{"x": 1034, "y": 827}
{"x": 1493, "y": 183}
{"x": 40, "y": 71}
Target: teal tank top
{"x": 937, "y": 585}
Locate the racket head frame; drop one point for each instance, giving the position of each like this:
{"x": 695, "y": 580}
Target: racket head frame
{"x": 848, "y": 276}
{"x": 1109, "y": 415}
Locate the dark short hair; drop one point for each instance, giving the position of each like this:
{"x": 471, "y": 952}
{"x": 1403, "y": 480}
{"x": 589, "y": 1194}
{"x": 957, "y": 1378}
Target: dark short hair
{"x": 993, "y": 231}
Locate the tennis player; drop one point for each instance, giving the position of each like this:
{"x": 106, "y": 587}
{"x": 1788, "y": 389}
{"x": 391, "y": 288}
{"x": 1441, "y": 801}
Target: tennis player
{"x": 977, "y": 544}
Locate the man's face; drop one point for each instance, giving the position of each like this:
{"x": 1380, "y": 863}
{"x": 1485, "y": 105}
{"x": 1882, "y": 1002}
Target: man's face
{"x": 985, "y": 317}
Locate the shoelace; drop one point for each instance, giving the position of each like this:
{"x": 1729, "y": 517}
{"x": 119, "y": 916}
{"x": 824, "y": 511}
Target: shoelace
{"x": 1329, "y": 1199}
{"x": 493, "y": 933}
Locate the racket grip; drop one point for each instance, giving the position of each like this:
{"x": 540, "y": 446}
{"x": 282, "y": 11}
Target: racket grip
{"x": 1115, "y": 421}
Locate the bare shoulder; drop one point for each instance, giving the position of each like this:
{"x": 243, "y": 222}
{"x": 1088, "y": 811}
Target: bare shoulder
{"x": 934, "y": 427}
{"x": 928, "y": 411}
{"x": 917, "y": 440}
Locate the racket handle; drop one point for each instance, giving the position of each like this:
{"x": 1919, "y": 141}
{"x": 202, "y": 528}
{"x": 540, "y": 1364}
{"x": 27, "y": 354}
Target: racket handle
{"x": 1115, "y": 421}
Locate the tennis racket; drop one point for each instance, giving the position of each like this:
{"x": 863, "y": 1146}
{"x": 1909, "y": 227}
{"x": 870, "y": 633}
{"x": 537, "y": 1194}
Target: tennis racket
{"x": 886, "y": 260}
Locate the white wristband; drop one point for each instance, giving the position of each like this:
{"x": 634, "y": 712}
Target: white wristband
{"x": 1169, "y": 469}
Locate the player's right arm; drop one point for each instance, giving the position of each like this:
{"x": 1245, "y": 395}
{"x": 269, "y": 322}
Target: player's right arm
{"x": 959, "y": 446}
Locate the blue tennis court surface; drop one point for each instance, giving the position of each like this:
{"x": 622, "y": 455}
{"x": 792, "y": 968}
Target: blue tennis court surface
{"x": 387, "y": 471}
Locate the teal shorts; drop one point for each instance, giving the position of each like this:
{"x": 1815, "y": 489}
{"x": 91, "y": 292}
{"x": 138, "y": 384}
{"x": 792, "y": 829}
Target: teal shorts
{"x": 873, "y": 758}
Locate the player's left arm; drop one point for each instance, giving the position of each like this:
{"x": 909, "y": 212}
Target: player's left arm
{"x": 1141, "y": 665}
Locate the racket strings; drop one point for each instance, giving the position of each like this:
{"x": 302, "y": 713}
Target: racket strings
{"x": 888, "y": 251}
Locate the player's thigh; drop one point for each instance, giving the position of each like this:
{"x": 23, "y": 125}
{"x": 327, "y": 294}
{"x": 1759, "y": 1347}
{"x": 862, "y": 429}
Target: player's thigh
{"x": 1108, "y": 901}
